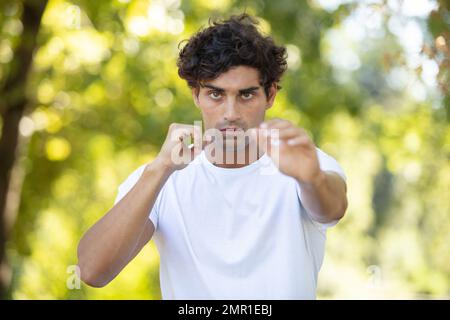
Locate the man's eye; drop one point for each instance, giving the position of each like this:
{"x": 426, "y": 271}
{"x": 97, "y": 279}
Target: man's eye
{"x": 247, "y": 95}
{"x": 215, "y": 95}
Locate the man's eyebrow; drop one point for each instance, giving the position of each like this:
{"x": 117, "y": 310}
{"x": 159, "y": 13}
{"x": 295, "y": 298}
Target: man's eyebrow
{"x": 213, "y": 87}
{"x": 245, "y": 90}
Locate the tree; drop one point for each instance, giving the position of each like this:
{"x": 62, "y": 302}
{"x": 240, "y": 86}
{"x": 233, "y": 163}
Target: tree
{"x": 13, "y": 104}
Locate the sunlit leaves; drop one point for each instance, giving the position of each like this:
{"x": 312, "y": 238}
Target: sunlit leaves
{"x": 57, "y": 149}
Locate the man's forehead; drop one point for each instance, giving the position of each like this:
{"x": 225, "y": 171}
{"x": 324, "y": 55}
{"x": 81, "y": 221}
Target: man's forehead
{"x": 235, "y": 79}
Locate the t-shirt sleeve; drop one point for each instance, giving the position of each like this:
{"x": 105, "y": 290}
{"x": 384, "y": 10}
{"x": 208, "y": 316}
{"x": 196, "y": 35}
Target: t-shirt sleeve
{"x": 327, "y": 163}
{"x": 126, "y": 186}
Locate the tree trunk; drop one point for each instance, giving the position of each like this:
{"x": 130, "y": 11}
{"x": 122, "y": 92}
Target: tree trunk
{"x": 12, "y": 106}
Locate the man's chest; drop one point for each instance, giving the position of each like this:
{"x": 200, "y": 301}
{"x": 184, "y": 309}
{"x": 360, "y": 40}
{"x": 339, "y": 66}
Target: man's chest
{"x": 228, "y": 210}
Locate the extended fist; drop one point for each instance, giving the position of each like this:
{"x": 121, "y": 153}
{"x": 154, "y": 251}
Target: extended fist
{"x": 292, "y": 150}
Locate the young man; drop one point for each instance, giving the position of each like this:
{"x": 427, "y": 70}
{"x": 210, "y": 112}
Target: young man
{"x": 224, "y": 228}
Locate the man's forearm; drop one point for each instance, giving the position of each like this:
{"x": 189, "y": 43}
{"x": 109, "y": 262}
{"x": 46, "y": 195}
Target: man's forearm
{"x": 104, "y": 249}
{"x": 325, "y": 199}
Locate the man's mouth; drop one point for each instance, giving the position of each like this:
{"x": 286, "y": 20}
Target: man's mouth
{"x": 231, "y": 132}
{"x": 231, "y": 129}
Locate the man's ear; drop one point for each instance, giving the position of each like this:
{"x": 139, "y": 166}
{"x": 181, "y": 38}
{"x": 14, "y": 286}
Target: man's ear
{"x": 271, "y": 95}
{"x": 195, "y": 92}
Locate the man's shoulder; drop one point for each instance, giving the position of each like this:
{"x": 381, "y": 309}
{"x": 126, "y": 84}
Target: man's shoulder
{"x": 133, "y": 177}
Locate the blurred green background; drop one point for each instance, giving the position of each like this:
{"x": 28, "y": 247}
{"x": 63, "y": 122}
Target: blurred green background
{"x": 90, "y": 87}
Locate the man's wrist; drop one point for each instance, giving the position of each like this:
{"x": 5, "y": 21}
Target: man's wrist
{"x": 319, "y": 180}
{"x": 159, "y": 166}
{"x": 316, "y": 182}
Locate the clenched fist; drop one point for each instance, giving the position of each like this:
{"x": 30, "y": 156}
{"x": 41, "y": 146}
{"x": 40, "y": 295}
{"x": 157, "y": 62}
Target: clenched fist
{"x": 292, "y": 150}
{"x": 182, "y": 144}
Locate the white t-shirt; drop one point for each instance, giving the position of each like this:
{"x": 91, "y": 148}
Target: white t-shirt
{"x": 235, "y": 233}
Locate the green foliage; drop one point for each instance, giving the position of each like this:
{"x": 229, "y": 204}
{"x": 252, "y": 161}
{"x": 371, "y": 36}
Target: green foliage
{"x": 105, "y": 88}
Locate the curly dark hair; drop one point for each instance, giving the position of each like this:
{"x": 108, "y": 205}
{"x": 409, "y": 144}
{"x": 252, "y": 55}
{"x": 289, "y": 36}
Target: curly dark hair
{"x": 229, "y": 43}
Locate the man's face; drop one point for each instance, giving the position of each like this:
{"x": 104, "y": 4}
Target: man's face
{"x": 234, "y": 101}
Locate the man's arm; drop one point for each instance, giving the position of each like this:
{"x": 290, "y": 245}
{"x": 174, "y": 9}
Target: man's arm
{"x": 110, "y": 244}
{"x": 323, "y": 193}
{"x": 325, "y": 198}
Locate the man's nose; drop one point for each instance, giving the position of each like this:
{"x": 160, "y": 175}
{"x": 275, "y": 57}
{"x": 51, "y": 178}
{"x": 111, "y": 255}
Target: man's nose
{"x": 231, "y": 110}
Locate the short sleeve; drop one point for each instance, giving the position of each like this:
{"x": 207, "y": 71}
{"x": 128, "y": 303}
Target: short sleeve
{"x": 128, "y": 184}
{"x": 327, "y": 163}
